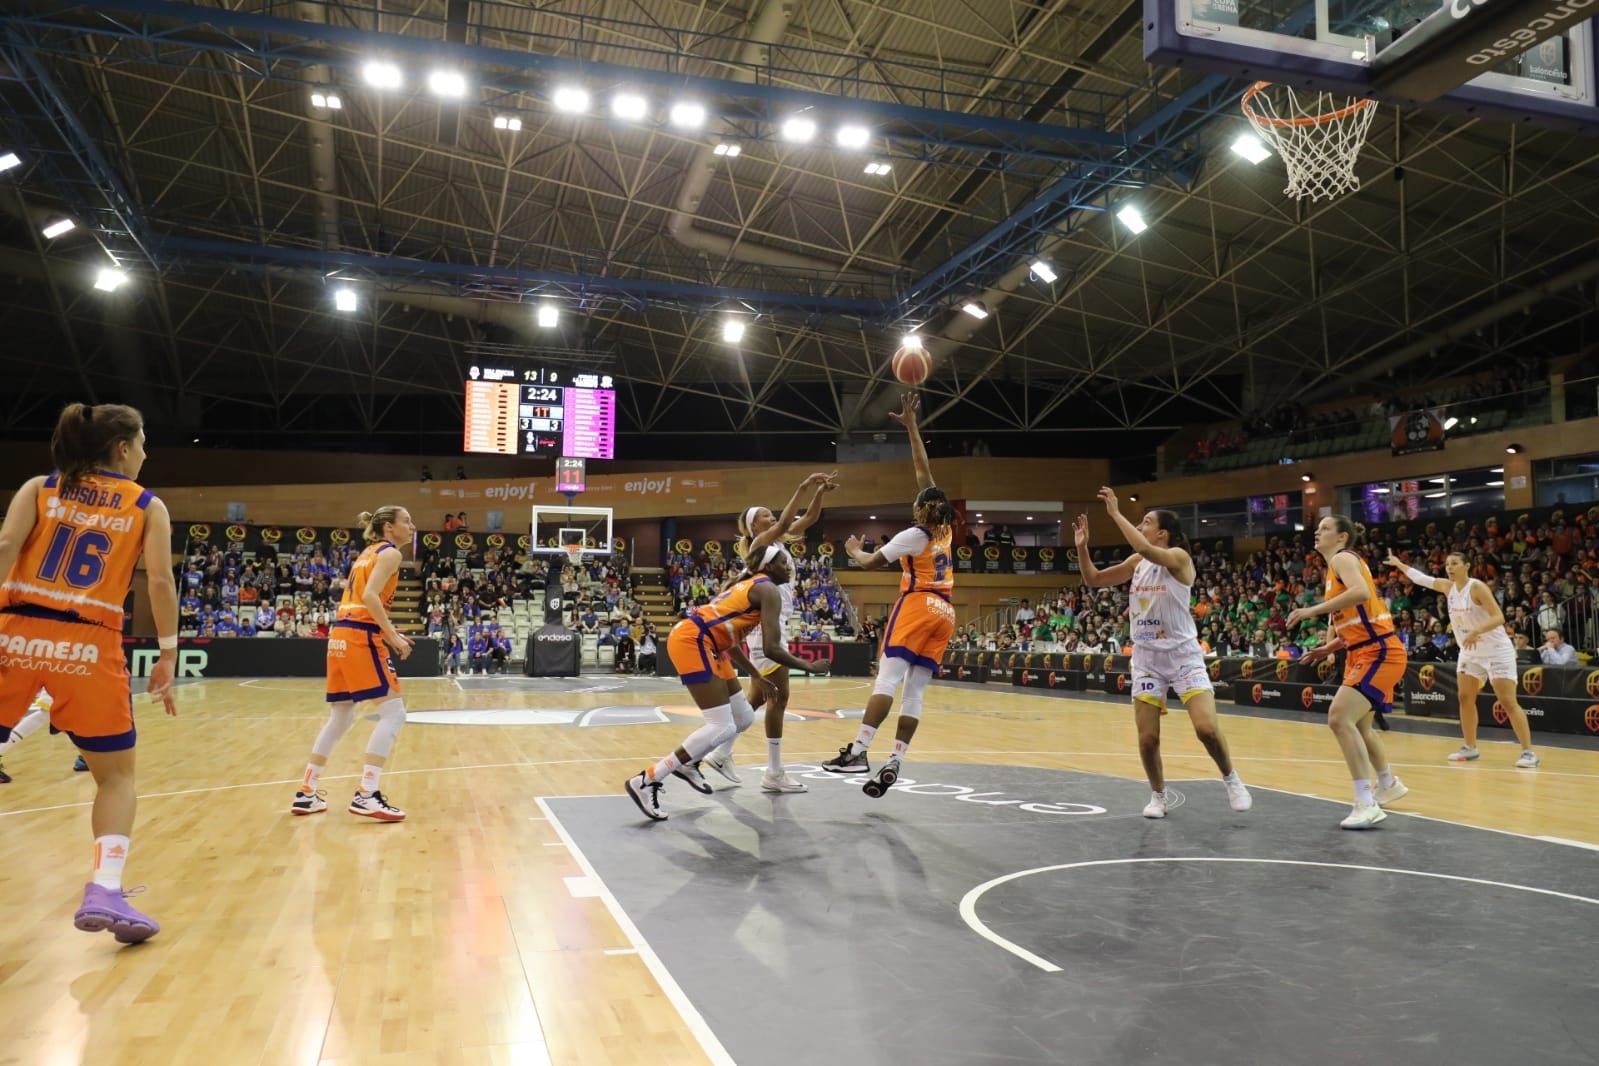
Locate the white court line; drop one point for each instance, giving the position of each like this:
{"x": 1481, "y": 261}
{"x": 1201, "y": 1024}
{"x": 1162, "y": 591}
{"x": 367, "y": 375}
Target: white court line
{"x": 621, "y": 951}
{"x": 582, "y": 887}
{"x": 690, "y": 1014}
{"x": 968, "y": 907}
{"x": 1569, "y": 843}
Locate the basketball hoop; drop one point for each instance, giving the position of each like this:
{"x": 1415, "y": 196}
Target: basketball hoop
{"x": 1318, "y": 139}
{"x": 574, "y": 555}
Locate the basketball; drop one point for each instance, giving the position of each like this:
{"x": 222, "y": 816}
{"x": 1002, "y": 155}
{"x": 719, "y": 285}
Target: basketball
{"x": 912, "y": 365}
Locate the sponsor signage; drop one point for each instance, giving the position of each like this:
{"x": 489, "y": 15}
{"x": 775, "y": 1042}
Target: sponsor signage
{"x": 849, "y": 658}
{"x": 264, "y": 657}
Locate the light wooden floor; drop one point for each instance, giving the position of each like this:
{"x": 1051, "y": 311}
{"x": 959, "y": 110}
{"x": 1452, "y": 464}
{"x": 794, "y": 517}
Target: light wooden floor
{"x": 453, "y": 938}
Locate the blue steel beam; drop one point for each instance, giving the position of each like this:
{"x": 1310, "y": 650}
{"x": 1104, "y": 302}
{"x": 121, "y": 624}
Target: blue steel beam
{"x": 505, "y": 285}
{"x": 301, "y": 43}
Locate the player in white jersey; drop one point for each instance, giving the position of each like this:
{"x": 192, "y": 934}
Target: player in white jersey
{"x": 1166, "y": 652}
{"x": 1486, "y": 653}
{"x": 758, "y": 527}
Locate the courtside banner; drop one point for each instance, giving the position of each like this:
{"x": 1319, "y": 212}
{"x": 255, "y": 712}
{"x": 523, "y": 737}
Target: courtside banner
{"x": 849, "y": 658}
{"x": 265, "y": 657}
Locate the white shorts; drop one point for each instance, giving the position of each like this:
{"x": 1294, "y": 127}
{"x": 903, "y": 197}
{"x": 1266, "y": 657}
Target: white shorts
{"x": 758, "y": 659}
{"x": 1158, "y": 671}
{"x": 1490, "y": 664}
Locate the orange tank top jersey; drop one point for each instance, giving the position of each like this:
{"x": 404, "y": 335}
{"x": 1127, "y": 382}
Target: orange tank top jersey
{"x": 924, "y": 561}
{"x": 726, "y": 619}
{"x": 1366, "y": 621}
{"x": 86, "y": 541}
{"x": 351, "y": 607}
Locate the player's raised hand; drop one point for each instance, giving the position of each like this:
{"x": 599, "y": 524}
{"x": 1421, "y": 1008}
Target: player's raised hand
{"x": 906, "y": 415}
{"x": 1107, "y": 496}
{"x": 852, "y": 544}
{"x": 1080, "y": 531}
{"x": 1394, "y": 561}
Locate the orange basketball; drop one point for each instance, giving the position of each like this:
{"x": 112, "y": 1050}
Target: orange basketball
{"x": 912, "y": 365}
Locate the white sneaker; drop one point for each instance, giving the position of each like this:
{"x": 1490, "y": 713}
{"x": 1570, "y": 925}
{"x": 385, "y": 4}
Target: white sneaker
{"x": 1392, "y": 794}
{"x": 690, "y": 772}
{"x": 1238, "y": 797}
{"x": 372, "y": 805}
{"x": 1361, "y": 817}
{"x": 724, "y": 766}
{"x": 781, "y": 782}
{"x": 309, "y": 802}
{"x": 1529, "y": 759}
{"x": 647, "y": 795}
{"x": 1465, "y": 754}
{"x": 1156, "y": 807}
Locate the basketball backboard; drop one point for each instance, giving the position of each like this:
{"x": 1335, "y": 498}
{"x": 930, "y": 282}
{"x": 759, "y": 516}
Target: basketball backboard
{"x": 1415, "y": 52}
{"x": 555, "y": 527}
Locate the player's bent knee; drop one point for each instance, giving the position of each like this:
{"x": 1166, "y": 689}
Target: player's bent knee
{"x": 391, "y": 716}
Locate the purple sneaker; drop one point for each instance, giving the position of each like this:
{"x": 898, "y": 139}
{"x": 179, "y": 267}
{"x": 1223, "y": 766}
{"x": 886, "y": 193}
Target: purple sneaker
{"x": 105, "y": 909}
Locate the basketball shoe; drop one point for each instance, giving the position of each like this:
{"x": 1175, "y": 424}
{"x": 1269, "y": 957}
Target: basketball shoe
{"x": 372, "y": 805}
{"x": 309, "y": 803}
{"x": 647, "y": 795}
{"x": 107, "y": 909}
{"x": 845, "y": 762}
{"x": 883, "y": 780}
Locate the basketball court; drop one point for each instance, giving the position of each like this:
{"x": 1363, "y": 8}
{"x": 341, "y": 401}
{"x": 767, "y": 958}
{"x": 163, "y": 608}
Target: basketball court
{"x": 1004, "y": 902}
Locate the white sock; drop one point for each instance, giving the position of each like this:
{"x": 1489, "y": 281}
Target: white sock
{"x": 370, "y": 775}
{"x": 1233, "y": 778}
{"x": 1386, "y": 778}
{"x": 863, "y": 739}
{"x": 1363, "y": 793}
{"x": 774, "y": 755}
{"x": 900, "y": 748}
{"x": 37, "y": 716}
{"x": 664, "y": 768}
{"x": 313, "y": 774}
{"x": 110, "y": 855}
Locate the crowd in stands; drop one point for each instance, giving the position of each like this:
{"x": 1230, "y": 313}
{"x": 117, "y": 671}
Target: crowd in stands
{"x": 1542, "y": 575}
{"x": 1511, "y": 388}
{"x": 226, "y": 592}
{"x": 821, "y": 611}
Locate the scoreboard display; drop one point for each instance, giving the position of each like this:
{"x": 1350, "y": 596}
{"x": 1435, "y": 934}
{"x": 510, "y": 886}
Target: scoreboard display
{"x": 527, "y": 410}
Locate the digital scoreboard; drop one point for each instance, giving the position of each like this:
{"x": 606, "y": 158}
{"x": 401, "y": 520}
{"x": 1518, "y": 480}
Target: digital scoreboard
{"x": 527, "y": 410}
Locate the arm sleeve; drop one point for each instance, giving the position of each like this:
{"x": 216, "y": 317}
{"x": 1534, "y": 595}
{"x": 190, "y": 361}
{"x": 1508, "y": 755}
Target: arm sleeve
{"x": 906, "y": 542}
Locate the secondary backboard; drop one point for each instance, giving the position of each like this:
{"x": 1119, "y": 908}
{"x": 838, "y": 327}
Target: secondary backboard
{"x": 555, "y": 527}
{"x": 1369, "y": 48}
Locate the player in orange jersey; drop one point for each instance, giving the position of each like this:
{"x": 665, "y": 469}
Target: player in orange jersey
{"x": 68, "y": 549}
{"x": 704, "y": 648}
{"x": 359, "y": 667}
{"x": 919, "y": 627}
{"x": 757, "y": 528}
{"x": 1373, "y": 665}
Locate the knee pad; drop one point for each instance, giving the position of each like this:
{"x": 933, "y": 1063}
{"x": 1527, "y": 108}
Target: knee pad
{"x": 341, "y": 716}
{"x": 910, "y": 702}
{"x": 707, "y": 738}
{"x": 743, "y": 713}
{"x": 391, "y": 716}
{"x": 890, "y": 672}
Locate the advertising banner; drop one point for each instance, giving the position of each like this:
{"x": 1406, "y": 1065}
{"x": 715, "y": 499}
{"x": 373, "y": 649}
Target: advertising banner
{"x": 264, "y": 657}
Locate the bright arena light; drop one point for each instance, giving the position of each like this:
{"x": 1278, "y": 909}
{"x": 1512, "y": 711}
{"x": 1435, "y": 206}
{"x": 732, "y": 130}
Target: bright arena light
{"x": 1132, "y": 218}
{"x": 570, "y": 99}
{"x": 1249, "y": 146}
{"x": 852, "y": 136}
{"x": 911, "y": 342}
{"x": 549, "y": 315}
{"x": 448, "y": 83}
{"x": 732, "y": 330}
{"x": 110, "y": 279}
{"x": 730, "y": 150}
{"x": 878, "y": 168}
{"x": 508, "y": 122}
{"x": 344, "y": 299}
{"x": 798, "y": 129}
{"x": 687, "y": 115}
{"x": 56, "y": 229}
{"x": 382, "y": 75}
{"x": 630, "y": 107}
{"x": 1043, "y": 271}
{"x": 8, "y": 161}
{"x": 976, "y": 309}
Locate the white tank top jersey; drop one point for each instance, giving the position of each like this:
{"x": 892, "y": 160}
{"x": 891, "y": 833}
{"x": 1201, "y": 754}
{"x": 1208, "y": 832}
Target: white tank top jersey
{"x": 785, "y": 593}
{"x": 1465, "y": 615}
{"x": 1161, "y": 609}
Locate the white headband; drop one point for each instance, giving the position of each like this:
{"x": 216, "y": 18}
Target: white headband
{"x": 749, "y": 520}
{"x": 771, "y": 552}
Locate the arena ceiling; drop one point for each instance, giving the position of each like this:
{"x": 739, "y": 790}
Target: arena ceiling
{"x": 185, "y": 142}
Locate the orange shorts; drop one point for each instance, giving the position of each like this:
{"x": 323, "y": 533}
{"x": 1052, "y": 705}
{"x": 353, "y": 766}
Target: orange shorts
{"x": 695, "y": 656}
{"x": 919, "y": 629}
{"x": 1373, "y": 669}
{"x": 80, "y": 664}
{"x": 358, "y": 664}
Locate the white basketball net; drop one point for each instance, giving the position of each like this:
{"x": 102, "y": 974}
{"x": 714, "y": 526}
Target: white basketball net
{"x": 1317, "y": 137}
{"x": 574, "y": 554}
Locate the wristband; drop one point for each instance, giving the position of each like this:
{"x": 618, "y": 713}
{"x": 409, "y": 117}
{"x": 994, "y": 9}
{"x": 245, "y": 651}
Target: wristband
{"x": 168, "y": 643}
{"x": 1417, "y": 577}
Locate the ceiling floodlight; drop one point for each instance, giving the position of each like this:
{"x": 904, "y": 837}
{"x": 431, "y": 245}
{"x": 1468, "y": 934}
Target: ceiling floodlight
{"x": 549, "y": 315}
{"x": 570, "y": 99}
{"x": 630, "y": 107}
{"x": 732, "y": 330}
{"x": 852, "y": 136}
{"x": 912, "y": 342}
{"x": 1249, "y": 146}
{"x": 334, "y": 103}
{"x": 383, "y": 75}
{"x": 798, "y": 129}
{"x": 344, "y": 299}
{"x": 510, "y": 123}
{"x": 878, "y": 168}
{"x": 448, "y": 83}
{"x": 1132, "y": 218}
{"x": 56, "y": 229}
{"x": 730, "y": 150}
{"x": 110, "y": 279}
{"x": 8, "y": 161}
{"x": 1043, "y": 271}
{"x": 976, "y": 309}
{"x": 686, "y": 115}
